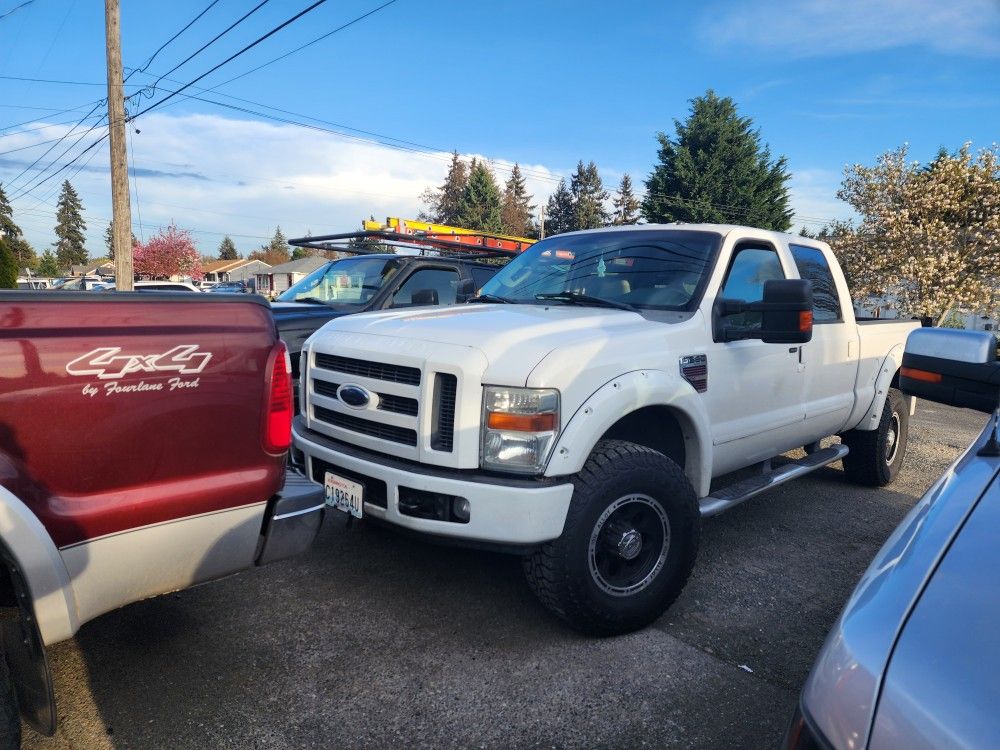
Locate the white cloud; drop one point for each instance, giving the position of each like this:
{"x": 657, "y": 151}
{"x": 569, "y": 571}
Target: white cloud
{"x": 814, "y": 198}
{"x": 217, "y": 175}
{"x": 812, "y": 28}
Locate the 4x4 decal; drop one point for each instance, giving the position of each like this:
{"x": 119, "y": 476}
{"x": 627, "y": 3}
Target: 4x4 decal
{"x": 107, "y": 362}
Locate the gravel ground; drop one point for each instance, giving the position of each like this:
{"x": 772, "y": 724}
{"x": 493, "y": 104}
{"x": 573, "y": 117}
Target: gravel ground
{"x": 374, "y": 640}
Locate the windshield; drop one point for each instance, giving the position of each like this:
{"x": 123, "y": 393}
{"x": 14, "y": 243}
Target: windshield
{"x": 349, "y": 281}
{"x": 663, "y": 270}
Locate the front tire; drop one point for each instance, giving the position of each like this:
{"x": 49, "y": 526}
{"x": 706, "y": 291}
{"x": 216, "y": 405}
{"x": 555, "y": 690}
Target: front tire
{"x": 876, "y": 456}
{"x": 628, "y": 546}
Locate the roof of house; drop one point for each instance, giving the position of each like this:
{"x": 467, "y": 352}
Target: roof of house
{"x": 223, "y": 266}
{"x": 82, "y": 269}
{"x": 301, "y": 265}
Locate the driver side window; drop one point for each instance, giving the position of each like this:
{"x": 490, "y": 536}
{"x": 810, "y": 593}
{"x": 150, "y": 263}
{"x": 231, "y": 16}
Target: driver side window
{"x": 750, "y": 267}
{"x": 428, "y": 286}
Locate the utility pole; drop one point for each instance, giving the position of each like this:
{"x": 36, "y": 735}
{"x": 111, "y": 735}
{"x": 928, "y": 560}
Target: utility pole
{"x": 541, "y": 224}
{"x": 121, "y": 212}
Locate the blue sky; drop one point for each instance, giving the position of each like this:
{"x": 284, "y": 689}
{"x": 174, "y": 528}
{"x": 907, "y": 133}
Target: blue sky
{"x": 545, "y": 84}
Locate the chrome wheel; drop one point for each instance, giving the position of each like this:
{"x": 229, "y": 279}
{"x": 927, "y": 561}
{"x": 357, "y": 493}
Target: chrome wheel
{"x": 892, "y": 439}
{"x": 629, "y": 545}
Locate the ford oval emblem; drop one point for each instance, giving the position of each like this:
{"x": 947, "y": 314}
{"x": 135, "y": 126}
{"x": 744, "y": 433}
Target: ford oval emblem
{"x": 354, "y": 396}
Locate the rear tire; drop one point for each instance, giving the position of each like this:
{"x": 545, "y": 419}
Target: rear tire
{"x": 10, "y": 718}
{"x": 628, "y": 546}
{"x": 876, "y": 455}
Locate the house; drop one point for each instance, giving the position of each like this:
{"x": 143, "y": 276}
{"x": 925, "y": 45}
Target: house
{"x": 240, "y": 269}
{"x": 278, "y": 278}
{"x": 99, "y": 267}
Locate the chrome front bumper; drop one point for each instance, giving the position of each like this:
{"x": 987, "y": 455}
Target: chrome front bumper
{"x": 293, "y": 519}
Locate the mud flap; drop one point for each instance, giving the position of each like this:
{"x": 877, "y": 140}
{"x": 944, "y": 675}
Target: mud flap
{"x": 24, "y": 652}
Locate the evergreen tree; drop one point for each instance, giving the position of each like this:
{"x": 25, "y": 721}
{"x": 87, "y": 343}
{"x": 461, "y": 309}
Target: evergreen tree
{"x": 517, "y": 210}
{"x": 274, "y": 252}
{"x": 480, "y": 205}
{"x": 9, "y": 230}
{"x": 717, "y": 170}
{"x": 70, "y": 226}
{"x": 589, "y": 196}
{"x": 109, "y": 239}
{"x": 559, "y": 211}
{"x": 626, "y": 204}
{"x": 8, "y": 266}
{"x": 23, "y": 252}
{"x": 442, "y": 203}
{"x": 227, "y": 249}
{"x": 48, "y": 265}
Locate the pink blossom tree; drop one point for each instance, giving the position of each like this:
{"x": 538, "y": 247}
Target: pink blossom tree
{"x": 168, "y": 253}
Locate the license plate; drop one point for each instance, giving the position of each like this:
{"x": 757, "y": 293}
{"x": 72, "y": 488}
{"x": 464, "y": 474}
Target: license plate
{"x": 343, "y": 494}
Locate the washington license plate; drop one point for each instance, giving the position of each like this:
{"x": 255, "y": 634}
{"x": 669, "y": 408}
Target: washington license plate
{"x": 343, "y": 494}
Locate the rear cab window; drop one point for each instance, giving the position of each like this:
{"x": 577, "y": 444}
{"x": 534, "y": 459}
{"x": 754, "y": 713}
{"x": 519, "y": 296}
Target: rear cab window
{"x": 813, "y": 266}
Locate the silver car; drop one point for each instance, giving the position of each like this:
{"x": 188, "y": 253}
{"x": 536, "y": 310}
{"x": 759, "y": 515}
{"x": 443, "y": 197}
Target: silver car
{"x": 914, "y": 660}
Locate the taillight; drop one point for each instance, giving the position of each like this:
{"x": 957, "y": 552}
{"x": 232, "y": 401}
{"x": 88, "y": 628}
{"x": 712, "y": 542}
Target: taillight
{"x": 805, "y": 321}
{"x": 277, "y": 433}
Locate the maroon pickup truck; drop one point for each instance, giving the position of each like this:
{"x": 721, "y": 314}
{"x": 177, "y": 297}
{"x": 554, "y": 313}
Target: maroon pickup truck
{"x": 143, "y": 446}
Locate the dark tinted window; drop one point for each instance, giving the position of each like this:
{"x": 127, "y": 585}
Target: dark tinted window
{"x": 812, "y": 265}
{"x": 481, "y": 275}
{"x": 749, "y": 269}
{"x": 436, "y": 286}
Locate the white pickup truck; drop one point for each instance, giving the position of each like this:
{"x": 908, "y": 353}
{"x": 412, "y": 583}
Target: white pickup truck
{"x": 579, "y": 415}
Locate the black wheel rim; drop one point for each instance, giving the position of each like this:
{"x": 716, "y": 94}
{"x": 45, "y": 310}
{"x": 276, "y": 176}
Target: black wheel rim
{"x": 629, "y": 545}
{"x": 892, "y": 439}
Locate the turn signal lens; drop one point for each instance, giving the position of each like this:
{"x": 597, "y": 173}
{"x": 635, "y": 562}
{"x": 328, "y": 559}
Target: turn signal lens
{"x": 805, "y": 321}
{"x": 922, "y": 375}
{"x": 521, "y": 422}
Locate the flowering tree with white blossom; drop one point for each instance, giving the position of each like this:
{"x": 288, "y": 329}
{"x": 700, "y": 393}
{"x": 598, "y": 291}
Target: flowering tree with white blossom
{"x": 928, "y": 236}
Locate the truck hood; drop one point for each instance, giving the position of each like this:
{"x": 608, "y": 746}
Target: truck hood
{"x": 514, "y": 338}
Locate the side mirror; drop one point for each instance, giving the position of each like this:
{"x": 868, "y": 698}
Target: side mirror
{"x": 786, "y": 314}
{"x": 466, "y": 288}
{"x": 424, "y": 297}
{"x": 787, "y": 311}
{"x": 952, "y": 367}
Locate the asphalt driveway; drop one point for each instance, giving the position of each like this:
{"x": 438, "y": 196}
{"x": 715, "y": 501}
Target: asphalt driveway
{"x": 376, "y": 640}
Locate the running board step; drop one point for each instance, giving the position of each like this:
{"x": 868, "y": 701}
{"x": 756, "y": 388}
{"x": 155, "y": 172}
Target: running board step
{"x": 734, "y": 494}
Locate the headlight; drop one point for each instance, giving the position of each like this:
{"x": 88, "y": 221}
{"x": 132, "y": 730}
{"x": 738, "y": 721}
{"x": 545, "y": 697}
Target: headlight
{"x": 520, "y": 426}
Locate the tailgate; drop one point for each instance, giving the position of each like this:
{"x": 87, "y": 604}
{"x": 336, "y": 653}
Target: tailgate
{"x": 125, "y": 410}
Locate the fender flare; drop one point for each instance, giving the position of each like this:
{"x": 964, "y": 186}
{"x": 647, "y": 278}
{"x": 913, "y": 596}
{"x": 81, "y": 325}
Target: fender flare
{"x": 887, "y": 371}
{"x": 41, "y": 567}
{"x": 623, "y": 395}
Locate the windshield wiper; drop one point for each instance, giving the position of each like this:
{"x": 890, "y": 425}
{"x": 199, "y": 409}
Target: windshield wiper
{"x": 312, "y": 301}
{"x": 577, "y": 298}
{"x": 490, "y": 298}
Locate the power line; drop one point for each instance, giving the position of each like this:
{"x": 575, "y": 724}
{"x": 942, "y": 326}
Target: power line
{"x": 60, "y": 140}
{"x": 63, "y": 168}
{"x": 167, "y": 43}
{"x": 307, "y": 44}
{"x": 16, "y": 8}
{"x": 213, "y": 40}
{"x": 41, "y": 127}
{"x": 232, "y": 57}
{"x": 50, "y": 80}
{"x": 135, "y": 184}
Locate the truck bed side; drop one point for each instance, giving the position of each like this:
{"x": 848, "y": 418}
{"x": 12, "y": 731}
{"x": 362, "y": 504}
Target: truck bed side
{"x": 130, "y": 413}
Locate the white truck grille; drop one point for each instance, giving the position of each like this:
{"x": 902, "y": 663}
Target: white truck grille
{"x": 398, "y": 390}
